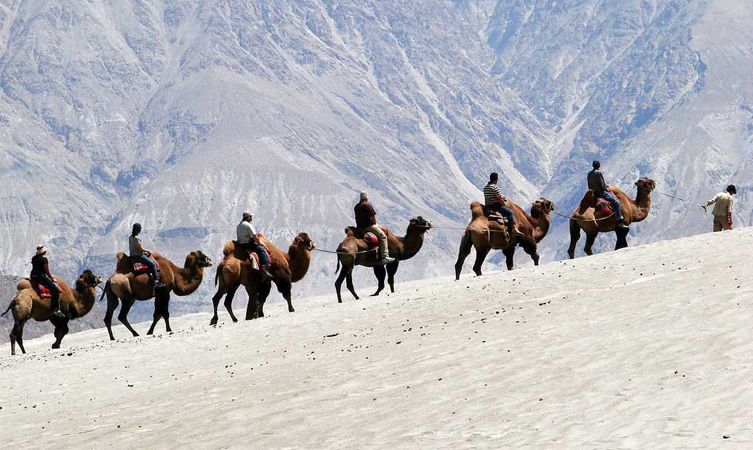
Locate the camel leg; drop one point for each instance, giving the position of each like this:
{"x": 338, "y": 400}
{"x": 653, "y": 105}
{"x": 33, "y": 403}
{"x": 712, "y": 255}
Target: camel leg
{"x": 161, "y": 302}
{"x": 229, "y": 303}
{"x": 123, "y": 316}
{"x": 590, "y": 239}
{"x": 530, "y": 247}
{"x": 263, "y": 293}
{"x": 339, "y": 282}
{"x": 349, "y": 284}
{"x": 621, "y": 238}
{"x": 480, "y": 257}
{"x": 112, "y": 305}
{"x": 12, "y": 341}
{"x": 216, "y": 302}
{"x": 17, "y": 335}
{"x": 509, "y": 253}
{"x": 61, "y": 329}
{"x": 285, "y": 287}
{"x": 391, "y": 271}
{"x": 380, "y": 273}
{"x": 465, "y": 249}
{"x": 574, "y": 237}
{"x": 252, "y": 308}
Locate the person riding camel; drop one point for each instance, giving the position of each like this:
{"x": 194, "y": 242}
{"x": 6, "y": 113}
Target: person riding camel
{"x": 722, "y": 208}
{"x": 366, "y": 221}
{"x": 246, "y": 237}
{"x": 599, "y": 187}
{"x": 495, "y": 202}
{"x": 40, "y": 274}
{"x": 139, "y": 254}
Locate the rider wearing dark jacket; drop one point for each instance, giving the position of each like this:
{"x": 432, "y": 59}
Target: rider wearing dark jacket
{"x": 40, "y": 274}
{"x": 599, "y": 187}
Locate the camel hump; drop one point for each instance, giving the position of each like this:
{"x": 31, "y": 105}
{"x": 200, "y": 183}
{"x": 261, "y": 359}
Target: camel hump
{"x": 477, "y": 210}
{"x": 229, "y": 248}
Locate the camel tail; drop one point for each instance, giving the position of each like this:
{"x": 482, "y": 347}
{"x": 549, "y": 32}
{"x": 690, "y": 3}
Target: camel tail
{"x": 217, "y": 276}
{"x": 104, "y": 291}
{"x": 337, "y": 269}
{"x": 10, "y": 305}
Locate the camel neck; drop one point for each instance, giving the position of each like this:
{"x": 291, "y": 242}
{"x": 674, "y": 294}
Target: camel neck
{"x": 298, "y": 261}
{"x": 540, "y": 223}
{"x": 411, "y": 243}
{"x": 643, "y": 204}
{"x": 84, "y": 301}
{"x": 187, "y": 279}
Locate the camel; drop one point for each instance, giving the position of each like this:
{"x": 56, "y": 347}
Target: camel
{"x": 124, "y": 286}
{"x": 353, "y": 251}
{"x": 585, "y": 217}
{"x": 236, "y": 270}
{"x": 486, "y": 235}
{"x": 27, "y": 304}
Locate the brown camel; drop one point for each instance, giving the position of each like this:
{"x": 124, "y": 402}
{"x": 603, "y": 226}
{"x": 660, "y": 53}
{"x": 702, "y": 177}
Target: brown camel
{"x": 236, "y": 270}
{"x": 586, "y": 218}
{"x": 127, "y": 287}
{"x": 354, "y": 251}
{"x": 27, "y": 304}
{"x": 486, "y": 235}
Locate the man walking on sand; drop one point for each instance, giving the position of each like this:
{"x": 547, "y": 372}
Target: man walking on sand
{"x": 722, "y": 208}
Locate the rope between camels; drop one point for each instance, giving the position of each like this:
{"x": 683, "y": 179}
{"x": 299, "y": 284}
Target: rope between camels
{"x": 582, "y": 220}
{"x": 678, "y": 198}
{"x": 344, "y": 253}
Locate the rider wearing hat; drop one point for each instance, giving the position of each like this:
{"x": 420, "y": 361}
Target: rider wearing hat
{"x": 40, "y": 274}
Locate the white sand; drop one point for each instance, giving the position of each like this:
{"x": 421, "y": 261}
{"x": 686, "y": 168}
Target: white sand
{"x": 648, "y": 347}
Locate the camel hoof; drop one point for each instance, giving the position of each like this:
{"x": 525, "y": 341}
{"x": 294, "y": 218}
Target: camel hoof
{"x": 56, "y": 346}
{"x": 213, "y": 322}
{"x": 235, "y": 320}
{"x": 149, "y": 333}
{"x": 375, "y": 294}
{"x": 291, "y": 310}
{"x": 168, "y": 330}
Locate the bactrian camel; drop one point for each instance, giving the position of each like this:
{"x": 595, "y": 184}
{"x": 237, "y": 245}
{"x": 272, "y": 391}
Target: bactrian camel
{"x": 486, "y": 235}
{"x": 126, "y": 287}
{"x": 585, "y": 217}
{"x": 353, "y": 251}
{"x": 27, "y": 304}
{"x": 236, "y": 270}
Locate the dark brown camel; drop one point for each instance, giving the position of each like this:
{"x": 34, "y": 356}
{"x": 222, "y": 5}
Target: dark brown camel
{"x": 27, "y": 304}
{"x": 585, "y": 218}
{"x": 236, "y": 270}
{"x": 124, "y": 286}
{"x": 486, "y": 235}
{"x": 353, "y": 251}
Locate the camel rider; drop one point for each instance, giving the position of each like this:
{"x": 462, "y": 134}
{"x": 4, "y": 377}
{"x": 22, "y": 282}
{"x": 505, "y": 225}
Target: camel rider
{"x": 246, "y": 237}
{"x": 495, "y": 202}
{"x": 139, "y": 254}
{"x": 599, "y": 187}
{"x": 366, "y": 221}
{"x": 40, "y": 274}
{"x": 722, "y": 208}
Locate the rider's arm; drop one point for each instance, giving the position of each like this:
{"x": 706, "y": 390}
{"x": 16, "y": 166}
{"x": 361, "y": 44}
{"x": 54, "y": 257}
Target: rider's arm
{"x": 47, "y": 271}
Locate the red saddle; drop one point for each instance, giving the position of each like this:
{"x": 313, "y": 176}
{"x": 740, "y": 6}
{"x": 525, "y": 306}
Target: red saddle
{"x": 42, "y": 290}
{"x": 139, "y": 268}
{"x": 371, "y": 239}
{"x": 604, "y": 207}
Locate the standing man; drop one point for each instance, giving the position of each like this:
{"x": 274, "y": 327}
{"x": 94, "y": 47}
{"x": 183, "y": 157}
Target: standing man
{"x": 366, "y": 221}
{"x": 246, "y": 236}
{"x": 40, "y": 274}
{"x": 597, "y": 184}
{"x": 722, "y": 208}
{"x": 139, "y": 254}
{"x": 495, "y": 202}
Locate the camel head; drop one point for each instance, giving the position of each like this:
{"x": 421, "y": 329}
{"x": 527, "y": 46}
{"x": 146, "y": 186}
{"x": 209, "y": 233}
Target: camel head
{"x": 87, "y": 280}
{"x": 646, "y": 184}
{"x": 303, "y": 241}
{"x": 199, "y": 258}
{"x": 420, "y": 224}
{"x": 542, "y": 206}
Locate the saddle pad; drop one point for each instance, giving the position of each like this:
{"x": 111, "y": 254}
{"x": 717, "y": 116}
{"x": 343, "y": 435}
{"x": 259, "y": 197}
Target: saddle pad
{"x": 603, "y": 207}
{"x": 43, "y": 291}
{"x": 142, "y": 268}
{"x": 370, "y": 239}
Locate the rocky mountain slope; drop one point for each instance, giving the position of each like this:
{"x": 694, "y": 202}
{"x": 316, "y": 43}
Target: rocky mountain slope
{"x": 180, "y": 114}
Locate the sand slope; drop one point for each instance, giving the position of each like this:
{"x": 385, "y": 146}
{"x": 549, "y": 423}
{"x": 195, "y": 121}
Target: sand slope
{"x": 649, "y": 347}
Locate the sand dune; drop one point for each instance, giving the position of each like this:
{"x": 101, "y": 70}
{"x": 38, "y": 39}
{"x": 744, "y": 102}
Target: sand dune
{"x": 649, "y": 347}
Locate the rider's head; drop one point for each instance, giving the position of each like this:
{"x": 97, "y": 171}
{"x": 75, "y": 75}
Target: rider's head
{"x": 596, "y": 165}
{"x": 248, "y": 217}
{"x": 41, "y": 250}
{"x": 732, "y": 189}
{"x": 136, "y": 229}
{"x": 494, "y": 177}
{"x": 363, "y": 197}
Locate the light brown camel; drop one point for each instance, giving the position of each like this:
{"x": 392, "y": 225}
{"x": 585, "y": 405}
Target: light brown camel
{"x": 27, "y": 304}
{"x": 236, "y": 270}
{"x": 124, "y": 286}
{"x": 486, "y": 235}
{"x": 585, "y": 217}
{"x": 354, "y": 251}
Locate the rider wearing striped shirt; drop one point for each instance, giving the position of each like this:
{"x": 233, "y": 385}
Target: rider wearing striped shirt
{"x": 495, "y": 202}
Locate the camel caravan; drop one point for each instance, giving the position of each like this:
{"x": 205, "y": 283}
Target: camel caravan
{"x": 255, "y": 263}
